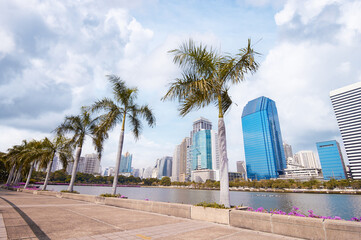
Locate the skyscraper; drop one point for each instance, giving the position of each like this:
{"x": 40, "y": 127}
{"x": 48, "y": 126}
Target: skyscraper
{"x": 126, "y": 163}
{"x": 331, "y": 159}
{"x": 262, "y": 138}
{"x": 202, "y": 150}
{"x": 164, "y": 166}
{"x": 346, "y": 103}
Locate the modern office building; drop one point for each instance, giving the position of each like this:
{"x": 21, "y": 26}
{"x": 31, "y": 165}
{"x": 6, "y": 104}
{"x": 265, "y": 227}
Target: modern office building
{"x": 80, "y": 168}
{"x": 346, "y": 103}
{"x": 307, "y": 159}
{"x": 126, "y": 163}
{"x": 175, "y": 164}
{"x": 265, "y": 157}
{"x": 202, "y": 150}
{"x": 331, "y": 160}
{"x": 179, "y": 163}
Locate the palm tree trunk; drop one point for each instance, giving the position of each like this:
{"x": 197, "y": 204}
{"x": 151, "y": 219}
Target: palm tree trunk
{"x": 224, "y": 181}
{"x": 75, "y": 166}
{"x": 119, "y": 156}
{"x": 18, "y": 175}
{"x": 11, "y": 174}
{"x": 48, "y": 171}
{"x": 29, "y": 175}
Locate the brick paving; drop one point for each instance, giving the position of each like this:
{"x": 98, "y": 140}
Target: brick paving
{"x": 25, "y": 216}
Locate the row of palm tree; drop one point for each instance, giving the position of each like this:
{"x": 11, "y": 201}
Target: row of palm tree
{"x": 121, "y": 109}
{"x": 207, "y": 76}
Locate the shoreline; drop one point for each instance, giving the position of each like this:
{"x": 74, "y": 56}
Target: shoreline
{"x": 241, "y": 189}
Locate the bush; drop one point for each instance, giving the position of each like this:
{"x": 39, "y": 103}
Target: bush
{"x": 109, "y": 195}
{"x": 66, "y": 191}
{"x": 212, "y": 205}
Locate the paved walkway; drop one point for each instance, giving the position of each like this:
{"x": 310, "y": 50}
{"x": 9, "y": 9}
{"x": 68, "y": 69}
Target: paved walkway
{"x": 28, "y": 216}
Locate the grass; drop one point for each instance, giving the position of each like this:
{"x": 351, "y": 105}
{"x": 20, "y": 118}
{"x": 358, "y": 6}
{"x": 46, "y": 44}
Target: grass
{"x": 212, "y": 205}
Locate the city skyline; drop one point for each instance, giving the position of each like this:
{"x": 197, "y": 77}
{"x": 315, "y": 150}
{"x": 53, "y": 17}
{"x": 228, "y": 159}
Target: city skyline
{"x": 53, "y": 71}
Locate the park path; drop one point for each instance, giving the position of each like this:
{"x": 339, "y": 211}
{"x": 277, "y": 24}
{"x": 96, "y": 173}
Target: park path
{"x": 28, "y": 216}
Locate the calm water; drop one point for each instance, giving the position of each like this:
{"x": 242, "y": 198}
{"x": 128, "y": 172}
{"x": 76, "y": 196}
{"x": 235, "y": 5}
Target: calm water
{"x": 344, "y": 206}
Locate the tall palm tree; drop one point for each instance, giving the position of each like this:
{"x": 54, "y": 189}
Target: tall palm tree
{"x": 60, "y": 146}
{"x": 80, "y": 127}
{"x": 120, "y": 109}
{"x": 206, "y": 78}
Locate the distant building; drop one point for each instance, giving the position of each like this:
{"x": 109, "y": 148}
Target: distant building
{"x": 203, "y": 175}
{"x": 176, "y": 164}
{"x": 164, "y": 167}
{"x": 288, "y": 150}
{"x": 331, "y": 159}
{"x": 126, "y": 163}
{"x": 346, "y": 102}
{"x": 179, "y": 163}
{"x": 302, "y": 174}
{"x": 307, "y": 159}
{"x": 135, "y": 172}
{"x": 232, "y": 176}
{"x": 241, "y": 168}
{"x": 148, "y": 172}
{"x": 92, "y": 164}
{"x": 202, "y": 150}
{"x": 80, "y": 168}
{"x": 265, "y": 157}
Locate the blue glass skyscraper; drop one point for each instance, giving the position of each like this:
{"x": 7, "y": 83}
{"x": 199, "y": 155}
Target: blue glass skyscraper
{"x": 331, "y": 160}
{"x": 126, "y": 163}
{"x": 262, "y": 138}
{"x": 202, "y": 150}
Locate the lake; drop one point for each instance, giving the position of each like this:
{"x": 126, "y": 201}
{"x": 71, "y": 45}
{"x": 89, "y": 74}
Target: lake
{"x": 342, "y": 205}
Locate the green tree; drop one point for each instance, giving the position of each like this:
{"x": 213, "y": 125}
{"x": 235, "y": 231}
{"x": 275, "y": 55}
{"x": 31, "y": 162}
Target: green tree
{"x": 3, "y": 169}
{"x": 206, "y": 78}
{"x": 122, "y": 108}
{"x": 165, "y": 181}
{"x": 80, "y": 127}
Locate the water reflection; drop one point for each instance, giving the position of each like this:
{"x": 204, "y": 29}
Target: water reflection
{"x": 345, "y": 206}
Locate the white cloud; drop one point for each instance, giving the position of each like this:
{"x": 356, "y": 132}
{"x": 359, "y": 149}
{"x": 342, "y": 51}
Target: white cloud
{"x": 7, "y": 43}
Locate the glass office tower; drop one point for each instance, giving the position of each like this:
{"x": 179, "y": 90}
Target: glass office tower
{"x": 202, "y": 150}
{"x": 331, "y": 160}
{"x": 126, "y": 163}
{"x": 262, "y": 138}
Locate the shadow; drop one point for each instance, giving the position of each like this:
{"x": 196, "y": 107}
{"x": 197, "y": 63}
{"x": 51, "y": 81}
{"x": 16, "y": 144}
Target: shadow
{"x": 35, "y": 228}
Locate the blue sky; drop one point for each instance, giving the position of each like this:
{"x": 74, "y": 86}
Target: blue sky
{"x": 54, "y": 56}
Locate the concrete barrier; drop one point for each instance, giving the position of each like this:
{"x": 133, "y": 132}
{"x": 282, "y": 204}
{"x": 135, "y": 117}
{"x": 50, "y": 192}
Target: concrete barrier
{"x": 170, "y": 209}
{"x": 336, "y": 229}
{"x": 251, "y": 220}
{"x": 301, "y": 227}
{"x": 81, "y": 197}
{"x": 216, "y": 215}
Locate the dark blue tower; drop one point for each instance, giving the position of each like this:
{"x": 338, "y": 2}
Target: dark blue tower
{"x": 262, "y": 138}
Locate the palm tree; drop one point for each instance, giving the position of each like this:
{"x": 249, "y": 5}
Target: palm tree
{"x": 117, "y": 111}
{"x": 60, "y": 146}
{"x": 80, "y": 126}
{"x": 15, "y": 160}
{"x": 206, "y": 78}
{"x": 32, "y": 154}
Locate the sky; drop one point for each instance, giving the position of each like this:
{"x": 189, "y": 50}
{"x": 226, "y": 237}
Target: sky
{"x": 55, "y": 55}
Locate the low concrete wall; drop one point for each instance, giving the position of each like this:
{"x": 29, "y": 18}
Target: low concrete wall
{"x": 306, "y": 228}
{"x": 300, "y": 227}
{"x": 210, "y": 214}
{"x": 171, "y": 209}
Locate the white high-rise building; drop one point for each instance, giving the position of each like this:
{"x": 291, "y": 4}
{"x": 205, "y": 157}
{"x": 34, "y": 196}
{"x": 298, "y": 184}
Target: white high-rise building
{"x": 307, "y": 159}
{"x": 346, "y": 102}
{"x": 176, "y": 164}
{"x": 92, "y": 164}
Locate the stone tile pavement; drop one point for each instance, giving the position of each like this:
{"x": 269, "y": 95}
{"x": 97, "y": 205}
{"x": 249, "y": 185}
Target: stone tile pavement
{"x": 28, "y": 216}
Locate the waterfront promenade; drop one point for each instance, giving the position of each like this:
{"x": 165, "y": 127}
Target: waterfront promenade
{"x": 28, "y": 216}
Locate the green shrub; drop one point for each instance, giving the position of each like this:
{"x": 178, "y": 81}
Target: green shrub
{"x": 66, "y": 191}
{"x": 110, "y": 195}
{"x": 212, "y": 205}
